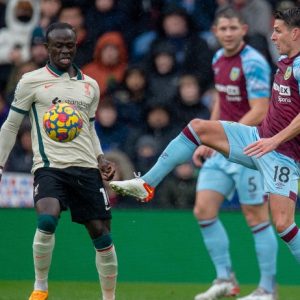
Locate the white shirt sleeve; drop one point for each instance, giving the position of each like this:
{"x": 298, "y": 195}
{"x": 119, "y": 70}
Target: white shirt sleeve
{"x": 92, "y": 113}
{"x": 8, "y": 134}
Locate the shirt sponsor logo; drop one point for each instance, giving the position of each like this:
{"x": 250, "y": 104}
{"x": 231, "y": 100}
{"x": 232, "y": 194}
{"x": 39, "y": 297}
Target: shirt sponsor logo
{"x": 216, "y": 71}
{"x": 283, "y": 90}
{"x": 288, "y": 73}
{"x": 79, "y": 104}
{"x": 233, "y": 91}
{"x": 234, "y": 73}
{"x": 284, "y": 100}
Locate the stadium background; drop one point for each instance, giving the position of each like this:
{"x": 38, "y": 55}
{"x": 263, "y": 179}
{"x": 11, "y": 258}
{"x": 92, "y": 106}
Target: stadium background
{"x": 154, "y": 243}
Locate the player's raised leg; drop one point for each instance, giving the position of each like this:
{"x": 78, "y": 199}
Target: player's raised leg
{"x": 179, "y": 150}
{"x": 216, "y": 240}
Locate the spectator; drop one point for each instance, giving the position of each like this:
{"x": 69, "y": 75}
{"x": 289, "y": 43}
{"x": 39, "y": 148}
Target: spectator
{"x": 144, "y": 13}
{"x": 106, "y": 16}
{"x": 191, "y": 51}
{"x": 73, "y": 14}
{"x": 20, "y": 159}
{"x": 130, "y": 97}
{"x": 162, "y": 74}
{"x": 146, "y": 153}
{"x": 202, "y": 12}
{"x": 21, "y": 17}
{"x": 109, "y": 62}
{"x": 189, "y": 102}
{"x": 15, "y": 75}
{"x": 4, "y": 109}
{"x": 49, "y": 12}
{"x": 110, "y": 131}
{"x": 38, "y": 51}
{"x": 178, "y": 190}
{"x": 2, "y": 13}
{"x": 158, "y": 125}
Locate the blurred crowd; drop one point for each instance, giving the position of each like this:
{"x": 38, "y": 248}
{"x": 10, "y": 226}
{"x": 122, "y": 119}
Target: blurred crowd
{"x": 152, "y": 61}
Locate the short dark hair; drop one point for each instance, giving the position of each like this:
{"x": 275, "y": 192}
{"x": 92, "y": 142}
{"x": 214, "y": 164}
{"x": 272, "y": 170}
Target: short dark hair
{"x": 291, "y": 16}
{"x": 228, "y": 12}
{"x": 57, "y": 25}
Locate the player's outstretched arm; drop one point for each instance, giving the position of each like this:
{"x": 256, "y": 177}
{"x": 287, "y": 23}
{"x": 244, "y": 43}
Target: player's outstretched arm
{"x": 265, "y": 145}
{"x": 8, "y": 135}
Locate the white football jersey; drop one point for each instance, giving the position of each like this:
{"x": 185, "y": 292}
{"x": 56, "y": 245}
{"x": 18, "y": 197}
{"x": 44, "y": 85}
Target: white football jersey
{"x": 34, "y": 95}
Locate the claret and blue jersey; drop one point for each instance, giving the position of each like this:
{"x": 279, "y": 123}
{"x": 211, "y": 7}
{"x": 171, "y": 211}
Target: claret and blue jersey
{"x": 285, "y": 104}
{"x": 238, "y": 79}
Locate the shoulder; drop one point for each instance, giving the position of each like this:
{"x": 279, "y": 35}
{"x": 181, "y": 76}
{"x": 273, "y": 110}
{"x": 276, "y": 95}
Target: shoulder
{"x": 91, "y": 81}
{"x": 218, "y": 55}
{"x": 250, "y": 54}
{"x": 34, "y": 76}
{"x": 296, "y": 68}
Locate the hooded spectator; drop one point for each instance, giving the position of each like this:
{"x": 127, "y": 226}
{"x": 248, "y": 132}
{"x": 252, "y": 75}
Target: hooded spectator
{"x": 110, "y": 61}
{"x": 163, "y": 73}
{"x": 21, "y": 18}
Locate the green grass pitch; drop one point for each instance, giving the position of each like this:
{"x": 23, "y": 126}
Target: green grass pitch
{"x": 19, "y": 290}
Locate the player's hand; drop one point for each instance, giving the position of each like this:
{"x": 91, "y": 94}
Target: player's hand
{"x": 202, "y": 152}
{"x": 107, "y": 168}
{"x": 261, "y": 147}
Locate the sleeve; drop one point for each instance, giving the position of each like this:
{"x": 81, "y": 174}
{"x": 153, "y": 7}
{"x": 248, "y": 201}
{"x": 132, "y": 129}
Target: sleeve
{"x": 8, "y": 134}
{"x": 258, "y": 76}
{"x": 296, "y": 71}
{"x": 92, "y": 112}
{"x": 95, "y": 140}
{"x": 24, "y": 96}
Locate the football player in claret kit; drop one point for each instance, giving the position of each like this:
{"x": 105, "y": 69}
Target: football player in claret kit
{"x": 66, "y": 175}
{"x": 242, "y": 80}
{"x": 272, "y": 148}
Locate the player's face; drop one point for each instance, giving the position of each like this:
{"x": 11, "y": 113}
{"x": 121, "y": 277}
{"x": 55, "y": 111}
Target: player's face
{"x": 230, "y": 34}
{"x": 283, "y": 37}
{"x": 62, "y": 48}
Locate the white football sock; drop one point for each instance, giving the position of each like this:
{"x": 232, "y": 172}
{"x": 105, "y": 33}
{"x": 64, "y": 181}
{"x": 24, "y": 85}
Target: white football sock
{"x": 43, "y": 244}
{"x": 107, "y": 267}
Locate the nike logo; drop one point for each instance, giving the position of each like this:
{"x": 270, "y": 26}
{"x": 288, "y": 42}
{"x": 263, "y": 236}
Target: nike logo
{"x": 48, "y": 85}
{"x": 107, "y": 207}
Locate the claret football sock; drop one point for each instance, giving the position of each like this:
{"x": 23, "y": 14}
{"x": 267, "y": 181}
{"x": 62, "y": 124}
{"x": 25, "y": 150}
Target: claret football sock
{"x": 292, "y": 237}
{"x": 178, "y": 151}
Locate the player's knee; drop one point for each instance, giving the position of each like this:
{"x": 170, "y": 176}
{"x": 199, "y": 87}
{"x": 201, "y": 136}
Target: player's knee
{"x": 47, "y": 223}
{"x": 281, "y": 225}
{"x": 197, "y": 125}
{"x": 102, "y": 242}
{"x": 202, "y": 212}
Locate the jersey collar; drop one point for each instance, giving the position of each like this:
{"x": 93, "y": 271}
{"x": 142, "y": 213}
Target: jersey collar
{"x": 57, "y": 73}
